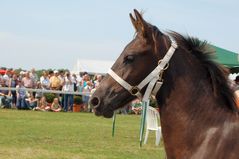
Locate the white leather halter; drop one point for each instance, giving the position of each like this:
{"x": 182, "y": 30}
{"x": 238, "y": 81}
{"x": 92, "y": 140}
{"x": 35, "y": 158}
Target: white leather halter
{"x": 154, "y": 79}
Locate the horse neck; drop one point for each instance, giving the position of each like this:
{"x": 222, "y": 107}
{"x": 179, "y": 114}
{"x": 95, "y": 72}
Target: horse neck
{"x": 187, "y": 105}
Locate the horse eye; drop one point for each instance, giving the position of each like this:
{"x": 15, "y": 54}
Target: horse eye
{"x": 129, "y": 59}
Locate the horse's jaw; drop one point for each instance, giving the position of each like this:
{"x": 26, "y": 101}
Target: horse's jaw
{"x": 107, "y": 113}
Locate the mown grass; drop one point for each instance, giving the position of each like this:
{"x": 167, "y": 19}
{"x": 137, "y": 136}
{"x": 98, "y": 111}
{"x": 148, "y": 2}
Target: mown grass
{"x": 43, "y": 135}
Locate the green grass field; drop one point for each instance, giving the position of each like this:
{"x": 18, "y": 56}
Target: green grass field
{"x": 48, "y": 135}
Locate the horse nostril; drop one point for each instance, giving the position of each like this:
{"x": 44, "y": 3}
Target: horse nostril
{"x": 95, "y": 102}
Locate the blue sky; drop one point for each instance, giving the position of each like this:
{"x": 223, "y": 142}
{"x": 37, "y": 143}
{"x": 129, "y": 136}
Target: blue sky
{"x": 55, "y": 33}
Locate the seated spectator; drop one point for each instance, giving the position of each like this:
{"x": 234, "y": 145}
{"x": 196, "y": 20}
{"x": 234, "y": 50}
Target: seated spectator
{"x": 31, "y": 102}
{"x": 55, "y": 106}
{"x": 21, "y": 96}
{"x": 136, "y": 106}
{"x": 5, "y": 100}
{"x": 5, "y": 96}
{"x": 42, "y": 105}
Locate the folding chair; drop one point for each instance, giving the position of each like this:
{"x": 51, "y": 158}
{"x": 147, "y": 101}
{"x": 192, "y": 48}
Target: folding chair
{"x": 152, "y": 120}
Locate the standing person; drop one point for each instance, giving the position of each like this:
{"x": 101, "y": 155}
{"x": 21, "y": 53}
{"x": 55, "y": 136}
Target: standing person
{"x": 13, "y": 82}
{"x": 44, "y": 80}
{"x": 21, "y": 95}
{"x": 87, "y": 90}
{"x": 98, "y": 80}
{"x": 87, "y": 86}
{"x": 74, "y": 80}
{"x": 6, "y": 77}
{"x": 28, "y": 82}
{"x": 80, "y": 82}
{"x": 33, "y": 75}
{"x": 85, "y": 78}
{"x": 55, "y": 82}
{"x": 92, "y": 92}
{"x": 50, "y": 74}
{"x": 21, "y": 75}
{"x": 61, "y": 76}
{"x": 68, "y": 87}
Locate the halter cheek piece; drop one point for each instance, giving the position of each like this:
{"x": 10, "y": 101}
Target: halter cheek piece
{"x": 154, "y": 79}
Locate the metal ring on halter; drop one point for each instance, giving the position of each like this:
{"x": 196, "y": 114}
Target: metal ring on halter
{"x": 165, "y": 67}
{"x": 134, "y": 90}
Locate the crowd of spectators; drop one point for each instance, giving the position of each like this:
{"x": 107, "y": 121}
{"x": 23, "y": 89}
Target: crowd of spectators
{"x": 57, "y": 80}
{"x": 49, "y": 80}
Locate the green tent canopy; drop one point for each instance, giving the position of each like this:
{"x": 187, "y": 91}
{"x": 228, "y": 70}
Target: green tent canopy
{"x": 226, "y": 57}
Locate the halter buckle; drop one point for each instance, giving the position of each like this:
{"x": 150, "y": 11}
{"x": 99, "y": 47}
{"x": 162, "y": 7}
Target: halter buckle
{"x": 165, "y": 67}
{"x": 134, "y": 90}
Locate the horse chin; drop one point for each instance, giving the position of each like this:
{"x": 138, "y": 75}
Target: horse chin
{"x": 104, "y": 113}
{"x": 108, "y": 114}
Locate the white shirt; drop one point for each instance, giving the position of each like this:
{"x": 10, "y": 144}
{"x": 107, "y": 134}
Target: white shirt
{"x": 68, "y": 86}
{"x": 45, "y": 82}
{"x": 6, "y": 78}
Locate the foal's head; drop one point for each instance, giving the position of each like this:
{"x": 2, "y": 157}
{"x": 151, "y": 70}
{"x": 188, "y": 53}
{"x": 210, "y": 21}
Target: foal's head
{"x": 136, "y": 61}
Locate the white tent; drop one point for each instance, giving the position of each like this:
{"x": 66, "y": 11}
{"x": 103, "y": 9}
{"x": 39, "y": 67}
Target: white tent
{"x": 92, "y": 66}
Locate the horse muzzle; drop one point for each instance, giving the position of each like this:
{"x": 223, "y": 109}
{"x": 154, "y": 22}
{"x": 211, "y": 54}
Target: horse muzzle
{"x": 100, "y": 110}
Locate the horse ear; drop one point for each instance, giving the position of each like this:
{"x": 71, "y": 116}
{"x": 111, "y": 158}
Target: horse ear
{"x": 133, "y": 21}
{"x": 141, "y": 24}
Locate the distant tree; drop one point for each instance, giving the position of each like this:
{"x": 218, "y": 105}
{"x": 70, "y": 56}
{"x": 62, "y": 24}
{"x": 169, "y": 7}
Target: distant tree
{"x": 17, "y": 71}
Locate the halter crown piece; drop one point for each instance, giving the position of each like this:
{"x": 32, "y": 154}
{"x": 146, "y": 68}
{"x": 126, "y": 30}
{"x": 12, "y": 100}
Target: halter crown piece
{"x": 154, "y": 79}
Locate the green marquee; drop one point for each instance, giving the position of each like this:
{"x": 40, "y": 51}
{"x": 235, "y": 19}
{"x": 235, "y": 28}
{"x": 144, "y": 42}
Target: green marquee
{"x": 226, "y": 57}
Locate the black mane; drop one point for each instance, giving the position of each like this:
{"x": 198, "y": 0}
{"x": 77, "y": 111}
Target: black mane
{"x": 217, "y": 73}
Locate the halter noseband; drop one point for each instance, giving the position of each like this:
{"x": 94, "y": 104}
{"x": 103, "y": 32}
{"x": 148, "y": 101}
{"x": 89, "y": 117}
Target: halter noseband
{"x": 154, "y": 79}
